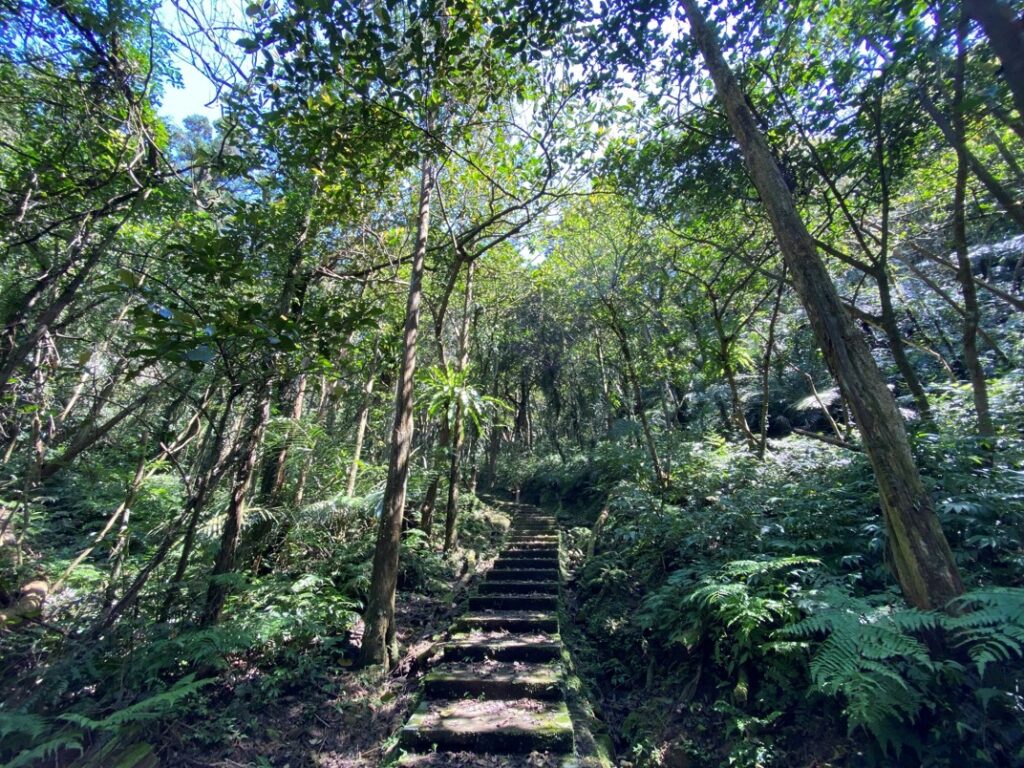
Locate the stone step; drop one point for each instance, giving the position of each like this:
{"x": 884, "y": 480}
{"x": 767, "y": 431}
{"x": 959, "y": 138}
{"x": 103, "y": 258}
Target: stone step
{"x": 518, "y": 587}
{"x": 494, "y": 680}
{"x": 512, "y": 602}
{"x": 550, "y": 540}
{"x": 514, "y": 553}
{"x": 471, "y": 760}
{"x": 512, "y": 572}
{"x": 537, "y": 546}
{"x": 503, "y": 563}
{"x": 478, "y": 646}
{"x": 512, "y": 621}
{"x": 515, "y": 726}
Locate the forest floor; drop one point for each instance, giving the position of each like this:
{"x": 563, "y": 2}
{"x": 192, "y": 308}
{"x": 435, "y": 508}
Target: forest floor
{"x": 345, "y": 719}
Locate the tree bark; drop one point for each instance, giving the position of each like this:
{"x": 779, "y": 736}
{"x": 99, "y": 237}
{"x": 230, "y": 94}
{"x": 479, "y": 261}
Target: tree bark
{"x": 379, "y": 644}
{"x": 924, "y": 564}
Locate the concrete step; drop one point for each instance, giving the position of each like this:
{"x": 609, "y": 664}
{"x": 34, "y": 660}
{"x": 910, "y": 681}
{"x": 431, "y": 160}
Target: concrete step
{"x": 502, "y": 646}
{"x": 512, "y": 621}
{"x": 513, "y": 572}
{"x": 518, "y": 587}
{"x": 514, "y": 727}
{"x": 495, "y": 680}
{"x": 512, "y": 602}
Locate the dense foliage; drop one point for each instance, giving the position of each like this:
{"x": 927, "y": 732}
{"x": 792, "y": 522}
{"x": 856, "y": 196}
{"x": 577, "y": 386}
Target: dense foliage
{"x": 254, "y": 371}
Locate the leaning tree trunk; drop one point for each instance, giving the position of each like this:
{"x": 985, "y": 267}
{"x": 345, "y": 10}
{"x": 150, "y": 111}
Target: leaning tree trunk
{"x": 1004, "y": 33}
{"x": 924, "y": 563}
{"x": 379, "y": 644}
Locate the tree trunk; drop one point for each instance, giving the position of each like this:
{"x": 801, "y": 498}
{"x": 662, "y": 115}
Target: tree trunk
{"x": 224, "y": 563}
{"x": 923, "y": 561}
{"x": 766, "y": 367}
{"x": 638, "y": 399}
{"x": 430, "y": 497}
{"x": 363, "y": 419}
{"x": 899, "y": 353}
{"x": 451, "y": 511}
{"x": 1003, "y": 30}
{"x": 379, "y": 645}
{"x": 605, "y": 390}
{"x": 972, "y": 313}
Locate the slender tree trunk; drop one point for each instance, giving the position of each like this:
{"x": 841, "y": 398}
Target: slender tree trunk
{"x": 924, "y": 563}
{"x": 87, "y": 437}
{"x": 379, "y": 644}
{"x": 99, "y": 351}
{"x": 363, "y": 419}
{"x": 1001, "y": 194}
{"x": 972, "y": 313}
{"x": 605, "y": 390}
{"x": 739, "y": 418}
{"x": 638, "y": 399}
{"x": 896, "y": 347}
{"x": 430, "y": 497}
{"x": 275, "y": 464}
{"x": 766, "y": 368}
{"x": 205, "y": 484}
{"x": 224, "y": 563}
{"x": 214, "y": 456}
{"x": 451, "y": 511}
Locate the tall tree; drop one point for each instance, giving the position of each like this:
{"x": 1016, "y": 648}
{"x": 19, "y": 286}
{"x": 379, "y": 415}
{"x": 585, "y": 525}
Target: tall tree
{"x": 924, "y": 563}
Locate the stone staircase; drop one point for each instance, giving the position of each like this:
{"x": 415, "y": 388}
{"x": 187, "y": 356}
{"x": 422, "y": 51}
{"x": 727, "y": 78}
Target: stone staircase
{"x": 495, "y": 696}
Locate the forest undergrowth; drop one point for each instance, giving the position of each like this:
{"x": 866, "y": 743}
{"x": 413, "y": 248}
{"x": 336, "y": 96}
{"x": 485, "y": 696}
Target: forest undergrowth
{"x": 276, "y": 685}
{"x": 749, "y": 617}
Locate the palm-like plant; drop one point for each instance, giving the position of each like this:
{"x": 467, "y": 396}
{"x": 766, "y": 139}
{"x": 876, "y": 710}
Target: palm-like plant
{"x": 450, "y": 392}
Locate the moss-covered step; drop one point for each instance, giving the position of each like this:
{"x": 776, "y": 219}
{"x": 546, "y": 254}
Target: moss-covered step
{"x": 515, "y": 726}
{"x": 513, "y": 602}
{"x": 511, "y": 572}
{"x": 518, "y": 587}
{"x": 502, "y": 646}
{"x": 472, "y": 760}
{"x": 495, "y": 680}
{"x": 513, "y": 621}
{"x": 530, "y": 554}
{"x": 530, "y": 544}
{"x": 503, "y": 562}
{"x": 551, "y": 540}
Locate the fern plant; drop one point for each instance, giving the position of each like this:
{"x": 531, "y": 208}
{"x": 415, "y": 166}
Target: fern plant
{"x": 876, "y": 658}
{"x": 28, "y": 738}
{"x": 732, "y": 611}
